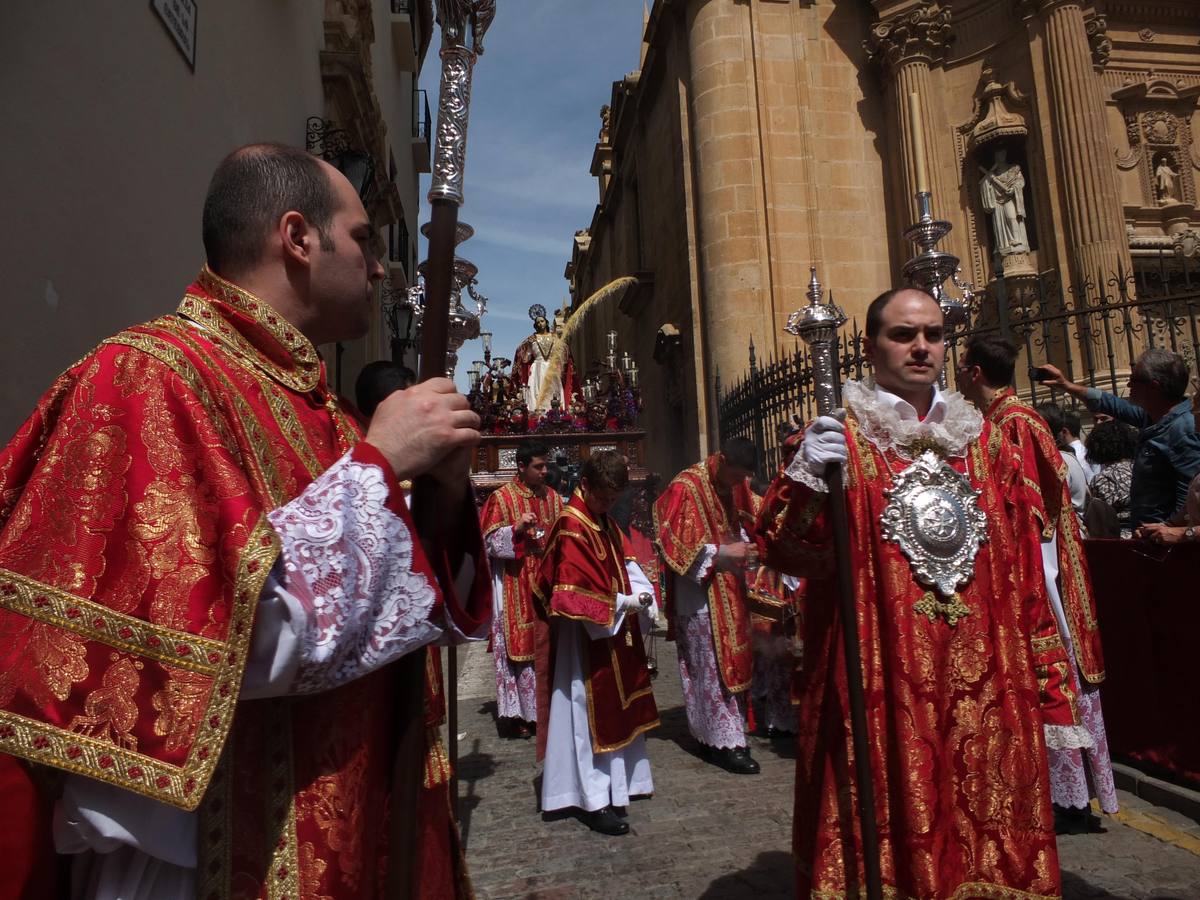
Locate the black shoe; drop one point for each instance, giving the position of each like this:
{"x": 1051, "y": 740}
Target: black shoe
{"x": 736, "y": 760}
{"x": 605, "y": 821}
{"x": 1076, "y": 820}
{"x": 522, "y": 730}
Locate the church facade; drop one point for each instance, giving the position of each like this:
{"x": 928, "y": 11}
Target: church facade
{"x": 759, "y": 138}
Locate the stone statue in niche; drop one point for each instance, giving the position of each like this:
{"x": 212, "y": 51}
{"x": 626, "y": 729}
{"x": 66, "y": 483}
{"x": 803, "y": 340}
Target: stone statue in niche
{"x": 1002, "y": 192}
{"x": 1166, "y": 181}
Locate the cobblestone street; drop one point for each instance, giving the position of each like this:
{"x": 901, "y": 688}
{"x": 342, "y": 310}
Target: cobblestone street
{"x": 709, "y": 834}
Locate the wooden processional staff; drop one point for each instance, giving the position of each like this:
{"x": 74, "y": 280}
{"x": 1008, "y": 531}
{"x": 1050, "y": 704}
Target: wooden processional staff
{"x": 463, "y": 24}
{"x": 817, "y": 325}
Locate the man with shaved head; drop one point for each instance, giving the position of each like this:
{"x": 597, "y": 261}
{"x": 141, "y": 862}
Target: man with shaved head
{"x": 208, "y": 568}
{"x": 948, "y": 593}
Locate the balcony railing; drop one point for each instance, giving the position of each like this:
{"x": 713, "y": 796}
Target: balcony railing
{"x": 402, "y": 7}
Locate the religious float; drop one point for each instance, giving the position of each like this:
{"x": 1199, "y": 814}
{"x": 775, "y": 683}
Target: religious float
{"x": 540, "y": 393}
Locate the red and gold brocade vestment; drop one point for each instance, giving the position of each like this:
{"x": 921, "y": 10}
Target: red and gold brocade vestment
{"x": 503, "y": 509}
{"x": 135, "y": 547}
{"x": 957, "y": 749}
{"x": 1045, "y": 476}
{"x": 579, "y": 578}
{"x": 689, "y": 515}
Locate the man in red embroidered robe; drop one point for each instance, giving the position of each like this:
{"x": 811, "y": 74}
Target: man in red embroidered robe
{"x": 207, "y": 574}
{"x": 596, "y": 701}
{"x": 961, "y": 790}
{"x": 515, "y": 520}
{"x": 701, "y": 521}
{"x": 985, "y": 371}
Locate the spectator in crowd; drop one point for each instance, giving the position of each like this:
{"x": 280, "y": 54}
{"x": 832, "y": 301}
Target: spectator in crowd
{"x": 1185, "y": 525}
{"x": 1168, "y": 451}
{"x": 378, "y": 380}
{"x": 1111, "y": 446}
{"x": 1056, "y": 418}
{"x": 1074, "y": 428}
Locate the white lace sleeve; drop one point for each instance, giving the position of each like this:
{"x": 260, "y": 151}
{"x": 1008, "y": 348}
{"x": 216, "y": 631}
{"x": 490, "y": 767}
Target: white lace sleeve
{"x": 702, "y": 564}
{"x": 348, "y": 571}
{"x": 499, "y": 544}
{"x": 799, "y": 471}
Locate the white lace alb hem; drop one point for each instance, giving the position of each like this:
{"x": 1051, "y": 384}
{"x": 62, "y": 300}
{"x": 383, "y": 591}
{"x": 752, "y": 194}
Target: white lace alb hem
{"x": 1068, "y": 737}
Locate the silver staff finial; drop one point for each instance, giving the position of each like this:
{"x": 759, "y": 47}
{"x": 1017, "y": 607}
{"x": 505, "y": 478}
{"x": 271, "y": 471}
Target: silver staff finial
{"x": 817, "y": 325}
{"x": 814, "y": 287}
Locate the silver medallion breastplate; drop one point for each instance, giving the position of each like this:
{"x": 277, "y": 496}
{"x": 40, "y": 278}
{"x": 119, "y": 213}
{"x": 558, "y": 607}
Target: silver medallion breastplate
{"x": 933, "y": 514}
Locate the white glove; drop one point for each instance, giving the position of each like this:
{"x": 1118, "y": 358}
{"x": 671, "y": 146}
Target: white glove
{"x": 629, "y": 602}
{"x": 824, "y": 442}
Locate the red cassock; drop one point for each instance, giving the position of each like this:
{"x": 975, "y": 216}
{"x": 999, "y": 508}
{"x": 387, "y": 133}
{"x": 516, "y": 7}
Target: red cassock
{"x": 688, "y": 515}
{"x": 1045, "y": 475}
{"x": 504, "y": 508}
{"x": 962, "y": 792}
{"x": 581, "y": 573}
{"x": 134, "y": 548}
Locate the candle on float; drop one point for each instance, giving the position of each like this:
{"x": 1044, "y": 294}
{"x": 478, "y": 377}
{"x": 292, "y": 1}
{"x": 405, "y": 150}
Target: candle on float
{"x": 918, "y": 142}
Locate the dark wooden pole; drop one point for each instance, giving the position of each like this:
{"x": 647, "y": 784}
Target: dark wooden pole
{"x": 848, "y": 609}
{"x": 817, "y": 325}
{"x": 439, "y": 275}
{"x": 409, "y": 769}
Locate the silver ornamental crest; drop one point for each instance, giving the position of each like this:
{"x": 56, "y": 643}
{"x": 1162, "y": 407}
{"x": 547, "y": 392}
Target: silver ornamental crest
{"x": 934, "y": 516}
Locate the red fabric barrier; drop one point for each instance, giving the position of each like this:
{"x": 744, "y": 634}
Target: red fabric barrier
{"x": 1148, "y": 601}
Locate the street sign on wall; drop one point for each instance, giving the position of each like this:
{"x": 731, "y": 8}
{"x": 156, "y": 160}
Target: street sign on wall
{"x": 179, "y": 17}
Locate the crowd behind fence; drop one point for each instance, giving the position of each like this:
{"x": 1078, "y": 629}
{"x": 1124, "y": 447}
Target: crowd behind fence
{"x": 1092, "y": 332}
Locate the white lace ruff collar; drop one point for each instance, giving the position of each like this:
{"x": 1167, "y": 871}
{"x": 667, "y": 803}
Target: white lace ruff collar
{"x": 881, "y": 423}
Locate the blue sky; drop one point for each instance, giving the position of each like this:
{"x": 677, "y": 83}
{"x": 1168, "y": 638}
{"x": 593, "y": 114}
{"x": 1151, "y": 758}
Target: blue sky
{"x": 547, "y": 68}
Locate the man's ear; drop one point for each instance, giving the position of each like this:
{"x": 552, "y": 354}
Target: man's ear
{"x": 296, "y": 237}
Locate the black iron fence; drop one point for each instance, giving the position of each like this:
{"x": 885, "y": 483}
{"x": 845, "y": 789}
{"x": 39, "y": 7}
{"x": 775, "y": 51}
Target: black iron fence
{"x": 1091, "y": 331}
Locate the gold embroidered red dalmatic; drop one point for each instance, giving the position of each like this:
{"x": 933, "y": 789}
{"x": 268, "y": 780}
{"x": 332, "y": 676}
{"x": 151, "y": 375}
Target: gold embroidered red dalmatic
{"x": 1045, "y": 475}
{"x": 580, "y": 575}
{"x": 962, "y": 792}
{"x": 134, "y": 548}
{"x": 504, "y": 509}
{"x": 688, "y": 515}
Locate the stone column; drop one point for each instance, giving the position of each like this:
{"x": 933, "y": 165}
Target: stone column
{"x": 906, "y": 47}
{"x": 1095, "y": 223}
{"x": 735, "y": 291}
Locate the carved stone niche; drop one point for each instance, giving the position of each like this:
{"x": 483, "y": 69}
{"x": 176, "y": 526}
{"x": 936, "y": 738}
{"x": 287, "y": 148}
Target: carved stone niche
{"x": 997, "y": 122}
{"x": 1158, "y": 115}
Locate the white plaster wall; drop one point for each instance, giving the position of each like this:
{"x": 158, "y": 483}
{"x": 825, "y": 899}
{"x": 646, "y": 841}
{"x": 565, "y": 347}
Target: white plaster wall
{"x": 109, "y": 140}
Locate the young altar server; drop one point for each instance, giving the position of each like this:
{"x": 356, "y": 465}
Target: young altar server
{"x": 596, "y": 701}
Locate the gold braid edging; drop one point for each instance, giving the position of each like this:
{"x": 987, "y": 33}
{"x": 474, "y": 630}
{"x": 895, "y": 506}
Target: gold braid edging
{"x": 183, "y": 787}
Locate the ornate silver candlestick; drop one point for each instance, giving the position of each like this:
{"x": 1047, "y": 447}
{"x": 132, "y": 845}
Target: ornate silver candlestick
{"x": 931, "y": 268}
{"x": 463, "y": 324}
